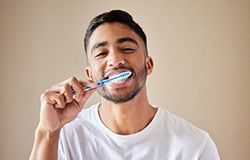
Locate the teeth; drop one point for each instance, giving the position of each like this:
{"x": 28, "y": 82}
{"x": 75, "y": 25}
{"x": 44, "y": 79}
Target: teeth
{"x": 117, "y": 80}
{"x": 112, "y": 76}
{"x": 120, "y": 79}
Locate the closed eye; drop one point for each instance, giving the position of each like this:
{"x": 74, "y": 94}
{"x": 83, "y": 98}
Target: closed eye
{"x": 101, "y": 54}
{"x": 127, "y": 50}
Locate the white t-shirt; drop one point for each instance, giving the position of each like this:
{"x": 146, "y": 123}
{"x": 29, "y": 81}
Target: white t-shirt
{"x": 167, "y": 137}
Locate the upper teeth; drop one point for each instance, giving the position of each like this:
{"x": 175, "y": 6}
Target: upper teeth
{"x": 112, "y": 76}
{"x": 120, "y": 79}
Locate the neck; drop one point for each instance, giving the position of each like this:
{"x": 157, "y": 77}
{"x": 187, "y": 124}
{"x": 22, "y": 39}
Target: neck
{"x": 127, "y": 118}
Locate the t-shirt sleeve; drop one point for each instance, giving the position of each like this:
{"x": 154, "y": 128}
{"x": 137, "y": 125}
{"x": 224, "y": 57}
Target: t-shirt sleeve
{"x": 60, "y": 151}
{"x": 209, "y": 151}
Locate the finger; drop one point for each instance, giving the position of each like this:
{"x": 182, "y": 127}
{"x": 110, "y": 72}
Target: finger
{"x": 54, "y": 99}
{"x": 73, "y": 85}
{"x": 65, "y": 90}
{"x": 79, "y": 92}
{"x": 89, "y": 84}
{"x": 83, "y": 98}
{"x": 76, "y": 87}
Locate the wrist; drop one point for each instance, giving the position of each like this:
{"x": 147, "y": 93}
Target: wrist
{"x": 47, "y": 135}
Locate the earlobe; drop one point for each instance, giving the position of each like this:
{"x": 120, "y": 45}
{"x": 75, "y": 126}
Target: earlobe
{"x": 149, "y": 65}
{"x": 88, "y": 73}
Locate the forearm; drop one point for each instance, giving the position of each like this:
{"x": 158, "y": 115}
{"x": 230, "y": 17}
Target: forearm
{"x": 45, "y": 145}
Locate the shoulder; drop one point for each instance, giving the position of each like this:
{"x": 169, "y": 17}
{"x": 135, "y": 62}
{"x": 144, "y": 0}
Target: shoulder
{"x": 181, "y": 130}
{"x": 188, "y": 137}
{"x": 180, "y": 125}
{"x": 185, "y": 133}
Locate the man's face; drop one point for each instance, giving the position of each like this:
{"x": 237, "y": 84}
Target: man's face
{"x": 115, "y": 48}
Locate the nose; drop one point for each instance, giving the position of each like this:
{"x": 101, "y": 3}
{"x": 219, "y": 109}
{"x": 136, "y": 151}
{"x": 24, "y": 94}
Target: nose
{"x": 115, "y": 59}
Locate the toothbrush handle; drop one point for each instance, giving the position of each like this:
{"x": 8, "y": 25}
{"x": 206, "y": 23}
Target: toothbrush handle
{"x": 91, "y": 88}
{"x": 88, "y": 88}
{"x": 100, "y": 83}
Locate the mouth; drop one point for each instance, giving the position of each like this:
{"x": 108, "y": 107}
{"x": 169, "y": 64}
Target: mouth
{"x": 120, "y": 79}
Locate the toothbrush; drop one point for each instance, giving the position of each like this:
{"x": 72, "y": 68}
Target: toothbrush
{"x": 105, "y": 81}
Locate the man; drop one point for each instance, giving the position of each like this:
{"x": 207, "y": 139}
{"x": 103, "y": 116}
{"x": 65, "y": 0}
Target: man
{"x": 124, "y": 125}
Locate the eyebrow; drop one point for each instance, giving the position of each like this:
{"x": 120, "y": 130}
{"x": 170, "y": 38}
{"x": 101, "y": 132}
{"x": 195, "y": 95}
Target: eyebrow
{"x": 119, "y": 41}
{"x": 97, "y": 45}
{"x": 126, "y": 39}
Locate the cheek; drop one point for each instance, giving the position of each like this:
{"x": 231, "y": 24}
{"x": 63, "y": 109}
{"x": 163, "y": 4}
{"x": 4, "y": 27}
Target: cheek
{"x": 95, "y": 65}
{"x": 97, "y": 71}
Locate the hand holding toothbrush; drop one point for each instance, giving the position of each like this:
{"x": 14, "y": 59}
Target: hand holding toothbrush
{"x": 62, "y": 102}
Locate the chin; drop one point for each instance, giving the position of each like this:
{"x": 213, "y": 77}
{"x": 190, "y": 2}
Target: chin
{"x": 121, "y": 96}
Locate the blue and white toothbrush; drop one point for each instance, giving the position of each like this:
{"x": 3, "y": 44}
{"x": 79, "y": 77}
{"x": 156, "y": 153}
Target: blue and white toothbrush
{"x": 120, "y": 76}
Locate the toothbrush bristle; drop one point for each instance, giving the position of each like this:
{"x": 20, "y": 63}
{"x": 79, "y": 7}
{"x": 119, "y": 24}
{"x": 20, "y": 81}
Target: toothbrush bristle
{"x": 122, "y": 75}
{"x": 125, "y": 74}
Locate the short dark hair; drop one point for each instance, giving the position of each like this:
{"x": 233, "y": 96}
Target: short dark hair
{"x": 114, "y": 16}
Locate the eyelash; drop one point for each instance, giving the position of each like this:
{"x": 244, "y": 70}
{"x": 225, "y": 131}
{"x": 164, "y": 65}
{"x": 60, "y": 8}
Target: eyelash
{"x": 124, "y": 50}
{"x": 127, "y": 50}
{"x": 101, "y": 54}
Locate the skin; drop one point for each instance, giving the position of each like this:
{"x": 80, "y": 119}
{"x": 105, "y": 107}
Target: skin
{"x": 113, "y": 48}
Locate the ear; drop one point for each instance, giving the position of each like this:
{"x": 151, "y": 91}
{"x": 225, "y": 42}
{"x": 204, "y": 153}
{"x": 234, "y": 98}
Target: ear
{"x": 88, "y": 73}
{"x": 149, "y": 64}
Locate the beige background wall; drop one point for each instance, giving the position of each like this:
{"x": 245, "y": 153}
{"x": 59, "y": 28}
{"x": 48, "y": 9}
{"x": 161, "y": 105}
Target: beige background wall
{"x": 201, "y": 51}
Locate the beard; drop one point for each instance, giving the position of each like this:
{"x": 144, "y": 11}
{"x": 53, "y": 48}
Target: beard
{"x": 125, "y": 94}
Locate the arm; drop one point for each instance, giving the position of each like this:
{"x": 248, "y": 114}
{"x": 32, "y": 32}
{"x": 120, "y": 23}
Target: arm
{"x": 58, "y": 107}
{"x": 45, "y": 145}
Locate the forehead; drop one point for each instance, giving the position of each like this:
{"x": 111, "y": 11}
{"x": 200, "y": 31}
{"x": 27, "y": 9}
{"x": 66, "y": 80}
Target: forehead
{"x": 110, "y": 32}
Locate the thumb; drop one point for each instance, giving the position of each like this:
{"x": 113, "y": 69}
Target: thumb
{"x": 81, "y": 99}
